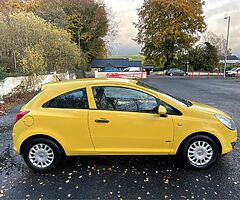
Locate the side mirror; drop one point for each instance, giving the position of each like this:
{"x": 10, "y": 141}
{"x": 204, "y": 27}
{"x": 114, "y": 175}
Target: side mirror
{"x": 162, "y": 111}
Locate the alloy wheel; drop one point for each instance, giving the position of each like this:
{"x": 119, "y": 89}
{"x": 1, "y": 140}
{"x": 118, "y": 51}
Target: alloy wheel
{"x": 41, "y": 155}
{"x": 200, "y": 153}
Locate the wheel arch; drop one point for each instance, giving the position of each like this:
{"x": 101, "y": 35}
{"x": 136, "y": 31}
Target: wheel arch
{"x": 24, "y": 143}
{"x": 213, "y": 137}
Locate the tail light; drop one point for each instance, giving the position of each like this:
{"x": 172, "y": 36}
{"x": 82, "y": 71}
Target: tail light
{"x": 21, "y": 114}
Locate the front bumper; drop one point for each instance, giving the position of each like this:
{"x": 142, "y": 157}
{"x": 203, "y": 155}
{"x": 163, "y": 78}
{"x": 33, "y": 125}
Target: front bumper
{"x": 228, "y": 140}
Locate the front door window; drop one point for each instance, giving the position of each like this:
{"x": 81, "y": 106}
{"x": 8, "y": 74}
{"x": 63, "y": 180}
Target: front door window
{"x": 124, "y": 99}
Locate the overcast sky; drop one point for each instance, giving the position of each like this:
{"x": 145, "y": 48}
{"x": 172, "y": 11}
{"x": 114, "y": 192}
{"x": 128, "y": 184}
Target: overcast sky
{"x": 214, "y": 11}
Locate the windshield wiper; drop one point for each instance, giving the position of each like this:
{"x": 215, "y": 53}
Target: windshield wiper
{"x": 186, "y": 102}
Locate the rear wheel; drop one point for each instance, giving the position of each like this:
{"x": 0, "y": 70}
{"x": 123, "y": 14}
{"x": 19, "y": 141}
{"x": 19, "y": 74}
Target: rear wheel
{"x": 42, "y": 155}
{"x": 200, "y": 152}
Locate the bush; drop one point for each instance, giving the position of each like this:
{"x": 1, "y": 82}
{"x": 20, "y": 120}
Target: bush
{"x": 2, "y": 74}
{"x": 38, "y": 45}
{"x": 157, "y": 69}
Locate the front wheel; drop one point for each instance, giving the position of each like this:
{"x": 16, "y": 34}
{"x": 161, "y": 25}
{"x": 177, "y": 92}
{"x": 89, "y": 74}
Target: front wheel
{"x": 42, "y": 155}
{"x": 200, "y": 152}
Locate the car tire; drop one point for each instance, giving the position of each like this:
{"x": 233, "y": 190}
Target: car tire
{"x": 42, "y": 155}
{"x": 171, "y": 74}
{"x": 200, "y": 152}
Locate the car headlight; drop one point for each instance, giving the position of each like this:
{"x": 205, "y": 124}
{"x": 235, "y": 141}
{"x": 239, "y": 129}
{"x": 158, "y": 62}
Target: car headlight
{"x": 227, "y": 122}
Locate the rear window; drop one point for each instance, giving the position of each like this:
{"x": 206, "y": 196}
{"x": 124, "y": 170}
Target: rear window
{"x": 76, "y": 99}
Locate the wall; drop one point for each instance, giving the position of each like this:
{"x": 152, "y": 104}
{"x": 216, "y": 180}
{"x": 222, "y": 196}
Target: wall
{"x": 128, "y": 75}
{"x": 8, "y": 85}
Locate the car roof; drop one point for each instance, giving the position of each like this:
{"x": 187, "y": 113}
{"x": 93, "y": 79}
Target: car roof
{"x": 89, "y": 81}
{"x": 109, "y": 67}
{"x": 234, "y": 69}
{"x": 174, "y": 68}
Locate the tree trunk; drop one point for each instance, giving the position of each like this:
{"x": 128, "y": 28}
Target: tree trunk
{"x": 15, "y": 61}
{"x": 168, "y": 63}
{"x": 170, "y": 51}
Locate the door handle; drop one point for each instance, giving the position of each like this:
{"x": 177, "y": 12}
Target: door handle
{"x": 102, "y": 121}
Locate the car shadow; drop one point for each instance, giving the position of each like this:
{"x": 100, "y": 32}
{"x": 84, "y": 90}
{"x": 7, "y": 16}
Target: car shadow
{"x": 96, "y": 176}
{"x": 138, "y": 163}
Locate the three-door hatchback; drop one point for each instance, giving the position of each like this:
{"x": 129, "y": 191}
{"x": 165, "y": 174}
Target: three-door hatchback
{"x": 118, "y": 117}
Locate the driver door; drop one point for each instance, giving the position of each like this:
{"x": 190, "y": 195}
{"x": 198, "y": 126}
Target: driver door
{"x": 125, "y": 121}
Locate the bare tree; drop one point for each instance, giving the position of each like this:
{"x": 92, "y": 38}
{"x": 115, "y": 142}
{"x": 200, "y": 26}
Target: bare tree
{"x": 216, "y": 40}
{"x": 112, "y": 30}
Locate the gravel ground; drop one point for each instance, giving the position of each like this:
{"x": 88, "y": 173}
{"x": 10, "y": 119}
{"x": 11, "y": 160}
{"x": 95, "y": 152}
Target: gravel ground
{"x": 130, "y": 177}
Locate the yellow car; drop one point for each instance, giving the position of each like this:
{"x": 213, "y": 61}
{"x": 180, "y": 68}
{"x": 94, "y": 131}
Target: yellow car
{"x": 118, "y": 117}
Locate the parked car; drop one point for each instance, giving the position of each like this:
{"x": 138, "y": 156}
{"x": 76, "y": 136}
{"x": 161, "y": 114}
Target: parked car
{"x": 110, "y": 69}
{"x": 176, "y": 72}
{"x": 132, "y": 69}
{"x": 118, "y": 117}
{"x": 233, "y": 72}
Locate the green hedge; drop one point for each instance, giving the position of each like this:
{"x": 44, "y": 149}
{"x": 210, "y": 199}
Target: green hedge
{"x": 4, "y": 75}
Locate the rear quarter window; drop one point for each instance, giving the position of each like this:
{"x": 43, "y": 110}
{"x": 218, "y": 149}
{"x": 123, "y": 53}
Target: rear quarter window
{"x": 76, "y": 99}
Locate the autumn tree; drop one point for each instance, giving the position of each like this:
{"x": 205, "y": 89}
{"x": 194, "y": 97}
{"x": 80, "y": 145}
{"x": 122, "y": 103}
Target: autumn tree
{"x": 53, "y": 12}
{"x": 10, "y": 6}
{"x": 32, "y": 61}
{"x": 88, "y": 24}
{"x": 167, "y": 27}
{"x": 203, "y": 57}
{"x": 33, "y": 45}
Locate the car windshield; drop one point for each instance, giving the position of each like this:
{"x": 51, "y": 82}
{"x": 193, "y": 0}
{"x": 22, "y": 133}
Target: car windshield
{"x": 178, "y": 100}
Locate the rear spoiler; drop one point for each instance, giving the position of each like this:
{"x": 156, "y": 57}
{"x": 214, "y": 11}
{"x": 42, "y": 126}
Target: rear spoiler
{"x": 43, "y": 87}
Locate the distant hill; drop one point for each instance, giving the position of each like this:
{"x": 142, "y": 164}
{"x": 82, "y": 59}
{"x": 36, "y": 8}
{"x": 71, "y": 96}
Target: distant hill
{"x": 130, "y": 57}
